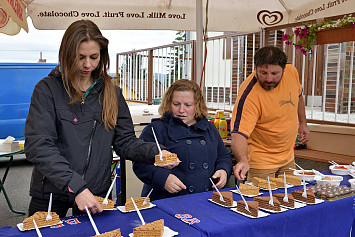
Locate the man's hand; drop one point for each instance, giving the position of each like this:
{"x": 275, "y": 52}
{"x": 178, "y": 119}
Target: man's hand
{"x": 240, "y": 151}
{"x": 303, "y": 133}
{"x": 173, "y": 184}
{"x": 86, "y": 198}
{"x": 221, "y": 175}
{"x": 302, "y": 121}
{"x": 240, "y": 169}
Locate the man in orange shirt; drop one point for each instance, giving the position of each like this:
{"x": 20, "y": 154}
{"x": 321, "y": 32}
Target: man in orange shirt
{"x": 267, "y": 115}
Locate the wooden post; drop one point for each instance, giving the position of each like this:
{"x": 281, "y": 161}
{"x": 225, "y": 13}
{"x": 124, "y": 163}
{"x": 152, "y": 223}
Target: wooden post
{"x": 193, "y": 69}
{"x": 150, "y": 77}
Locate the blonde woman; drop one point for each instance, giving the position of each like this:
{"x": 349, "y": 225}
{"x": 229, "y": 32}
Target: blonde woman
{"x": 184, "y": 130}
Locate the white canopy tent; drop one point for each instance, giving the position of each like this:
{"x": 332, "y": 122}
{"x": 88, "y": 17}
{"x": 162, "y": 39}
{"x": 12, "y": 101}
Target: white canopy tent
{"x": 220, "y": 15}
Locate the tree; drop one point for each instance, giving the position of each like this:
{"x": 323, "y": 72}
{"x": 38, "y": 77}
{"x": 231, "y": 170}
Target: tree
{"x": 179, "y": 57}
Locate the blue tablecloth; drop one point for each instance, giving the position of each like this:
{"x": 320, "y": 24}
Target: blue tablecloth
{"x": 106, "y": 221}
{"x": 193, "y": 215}
{"x": 330, "y": 218}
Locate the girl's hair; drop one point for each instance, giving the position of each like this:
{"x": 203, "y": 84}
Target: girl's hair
{"x": 184, "y": 85}
{"x": 84, "y": 31}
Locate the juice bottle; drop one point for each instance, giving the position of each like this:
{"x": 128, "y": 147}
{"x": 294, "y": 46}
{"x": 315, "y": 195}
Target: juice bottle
{"x": 216, "y": 123}
{"x": 220, "y": 113}
{"x": 210, "y": 120}
{"x": 223, "y": 128}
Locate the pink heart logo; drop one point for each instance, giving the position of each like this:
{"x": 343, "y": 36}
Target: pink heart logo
{"x": 75, "y": 120}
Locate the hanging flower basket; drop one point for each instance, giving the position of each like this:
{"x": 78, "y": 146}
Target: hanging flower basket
{"x": 326, "y": 32}
{"x": 337, "y": 35}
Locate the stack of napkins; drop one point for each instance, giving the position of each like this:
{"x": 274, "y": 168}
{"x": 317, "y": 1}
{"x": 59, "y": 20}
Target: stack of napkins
{"x": 9, "y": 144}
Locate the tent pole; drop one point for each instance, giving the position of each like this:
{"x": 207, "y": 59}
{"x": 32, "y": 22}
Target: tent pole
{"x": 199, "y": 40}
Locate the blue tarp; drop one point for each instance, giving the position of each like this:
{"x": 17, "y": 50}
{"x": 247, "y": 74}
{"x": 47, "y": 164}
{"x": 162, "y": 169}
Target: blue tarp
{"x": 17, "y": 83}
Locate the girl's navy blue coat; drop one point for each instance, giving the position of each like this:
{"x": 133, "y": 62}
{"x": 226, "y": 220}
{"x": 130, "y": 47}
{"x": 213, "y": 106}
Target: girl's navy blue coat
{"x": 199, "y": 148}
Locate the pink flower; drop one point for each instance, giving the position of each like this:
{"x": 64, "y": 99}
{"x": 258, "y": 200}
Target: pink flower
{"x": 288, "y": 42}
{"x": 298, "y": 46}
{"x": 304, "y": 52}
{"x": 297, "y": 31}
{"x": 304, "y": 32}
{"x": 285, "y": 37}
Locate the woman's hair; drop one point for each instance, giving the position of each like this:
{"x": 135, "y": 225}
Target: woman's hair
{"x": 270, "y": 55}
{"x": 184, "y": 85}
{"x": 84, "y": 31}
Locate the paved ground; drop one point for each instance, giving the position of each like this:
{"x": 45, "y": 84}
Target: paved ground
{"x": 17, "y": 185}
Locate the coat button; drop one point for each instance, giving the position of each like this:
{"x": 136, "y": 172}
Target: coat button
{"x": 203, "y": 142}
{"x": 207, "y": 188}
{"x": 205, "y": 166}
{"x": 191, "y": 189}
{"x": 188, "y": 142}
{"x": 192, "y": 166}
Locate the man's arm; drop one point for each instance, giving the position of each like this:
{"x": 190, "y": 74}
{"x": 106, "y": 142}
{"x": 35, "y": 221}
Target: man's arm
{"x": 302, "y": 121}
{"x": 240, "y": 151}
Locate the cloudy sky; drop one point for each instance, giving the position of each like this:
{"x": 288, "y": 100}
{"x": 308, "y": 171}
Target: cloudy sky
{"x": 26, "y": 47}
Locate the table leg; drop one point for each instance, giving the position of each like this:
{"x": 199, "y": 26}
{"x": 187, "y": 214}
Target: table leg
{"x": 122, "y": 195}
{"x": 8, "y": 200}
{"x": 7, "y": 169}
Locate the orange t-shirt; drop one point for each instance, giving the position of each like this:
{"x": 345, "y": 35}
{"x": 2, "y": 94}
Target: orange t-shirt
{"x": 268, "y": 119}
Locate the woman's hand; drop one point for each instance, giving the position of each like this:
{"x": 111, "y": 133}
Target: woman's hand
{"x": 221, "y": 175}
{"x": 173, "y": 184}
{"x": 86, "y": 198}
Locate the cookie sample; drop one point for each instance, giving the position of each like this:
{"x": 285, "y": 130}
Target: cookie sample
{"x": 40, "y": 219}
{"x": 110, "y": 204}
{"x": 252, "y": 205}
{"x": 227, "y": 197}
{"x": 263, "y": 183}
{"x": 264, "y": 203}
{"x": 297, "y": 194}
{"x": 280, "y": 198}
{"x": 167, "y": 159}
{"x": 129, "y": 206}
{"x": 280, "y": 183}
{"x": 152, "y": 229}
{"x": 113, "y": 233}
{"x": 246, "y": 189}
{"x": 291, "y": 179}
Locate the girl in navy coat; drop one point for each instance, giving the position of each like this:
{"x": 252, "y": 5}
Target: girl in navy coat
{"x": 184, "y": 130}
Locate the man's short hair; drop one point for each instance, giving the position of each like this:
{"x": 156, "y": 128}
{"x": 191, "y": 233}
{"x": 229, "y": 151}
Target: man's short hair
{"x": 270, "y": 55}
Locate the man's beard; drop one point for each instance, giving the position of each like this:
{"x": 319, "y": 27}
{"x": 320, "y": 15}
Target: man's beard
{"x": 268, "y": 85}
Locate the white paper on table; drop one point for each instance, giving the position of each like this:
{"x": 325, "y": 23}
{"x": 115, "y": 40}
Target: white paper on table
{"x": 233, "y": 205}
{"x": 297, "y": 205}
{"x": 317, "y": 201}
{"x": 20, "y": 226}
{"x": 123, "y": 208}
{"x": 167, "y": 232}
{"x": 260, "y": 213}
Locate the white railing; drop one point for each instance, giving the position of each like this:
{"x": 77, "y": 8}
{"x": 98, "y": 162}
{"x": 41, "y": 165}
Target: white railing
{"x": 325, "y": 74}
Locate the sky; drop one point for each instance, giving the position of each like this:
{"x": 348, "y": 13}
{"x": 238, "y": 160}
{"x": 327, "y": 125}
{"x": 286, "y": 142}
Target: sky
{"x": 26, "y": 47}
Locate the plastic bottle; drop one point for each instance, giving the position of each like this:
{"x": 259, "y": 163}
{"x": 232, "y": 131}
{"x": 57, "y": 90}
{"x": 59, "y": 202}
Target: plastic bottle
{"x": 216, "y": 123}
{"x": 220, "y": 113}
{"x": 223, "y": 128}
{"x": 210, "y": 120}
